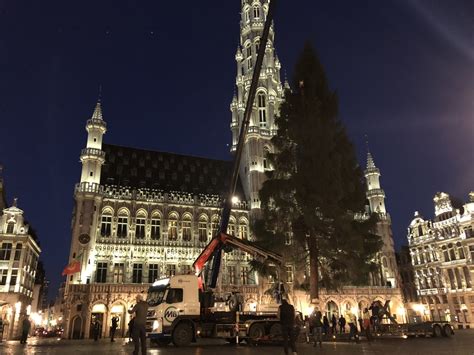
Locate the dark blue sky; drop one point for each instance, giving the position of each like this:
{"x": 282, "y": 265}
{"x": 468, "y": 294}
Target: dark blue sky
{"x": 404, "y": 71}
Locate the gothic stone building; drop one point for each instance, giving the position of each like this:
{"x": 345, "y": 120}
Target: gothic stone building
{"x": 140, "y": 215}
{"x": 19, "y": 253}
{"x": 442, "y": 254}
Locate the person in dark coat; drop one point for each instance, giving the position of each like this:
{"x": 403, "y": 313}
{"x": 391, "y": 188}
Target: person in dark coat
{"x": 113, "y": 328}
{"x": 342, "y": 324}
{"x": 286, "y": 315}
{"x": 25, "y": 330}
{"x": 96, "y": 329}
{"x": 325, "y": 325}
{"x": 139, "y": 325}
{"x": 334, "y": 325}
{"x": 130, "y": 329}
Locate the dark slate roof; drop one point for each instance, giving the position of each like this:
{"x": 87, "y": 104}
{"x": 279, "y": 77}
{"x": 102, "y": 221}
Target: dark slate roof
{"x": 139, "y": 168}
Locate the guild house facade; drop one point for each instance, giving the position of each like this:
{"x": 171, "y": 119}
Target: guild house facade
{"x": 19, "y": 253}
{"x": 141, "y": 215}
{"x": 442, "y": 255}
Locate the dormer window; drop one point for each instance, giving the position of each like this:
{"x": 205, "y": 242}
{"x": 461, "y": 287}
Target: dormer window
{"x": 256, "y": 12}
{"x": 10, "y": 227}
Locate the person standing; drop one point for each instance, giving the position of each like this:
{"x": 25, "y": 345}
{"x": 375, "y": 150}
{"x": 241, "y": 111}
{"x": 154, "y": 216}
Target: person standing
{"x": 353, "y": 333}
{"x": 318, "y": 328}
{"x": 25, "y": 330}
{"x": 326, "y": 325}
{"x": 286, "y": 315}
{"x": 342, "y": 324}
{"x": 130, "y": 329}
{"x": 113, "y": 328}
{"x": 139, "y": 333}
{"x": 96, "y": 329}
{"x": 334, "y": 325}
{"x": 366, "y": 324}
{"x": 307, "y": 329}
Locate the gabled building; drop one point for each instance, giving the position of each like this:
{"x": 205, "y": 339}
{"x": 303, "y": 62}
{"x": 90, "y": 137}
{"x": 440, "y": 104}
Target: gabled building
{"x": 442, "y": 254}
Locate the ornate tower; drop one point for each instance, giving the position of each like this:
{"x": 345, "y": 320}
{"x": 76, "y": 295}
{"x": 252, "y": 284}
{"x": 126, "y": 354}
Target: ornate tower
{"x": 376, "y": 196}
{"x": 269, "y": 95}
{"x": 88, "y": 198}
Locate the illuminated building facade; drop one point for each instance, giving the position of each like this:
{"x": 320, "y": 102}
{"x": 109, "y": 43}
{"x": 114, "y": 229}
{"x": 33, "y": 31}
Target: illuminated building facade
{"x": 19, "y": 253}
{"x": 442, "y": 254}
{"x": 141, "y": 215}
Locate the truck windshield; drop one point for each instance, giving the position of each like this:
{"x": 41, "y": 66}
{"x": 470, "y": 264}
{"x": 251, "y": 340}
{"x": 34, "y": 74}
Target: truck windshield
{"x": 155, "y": 295}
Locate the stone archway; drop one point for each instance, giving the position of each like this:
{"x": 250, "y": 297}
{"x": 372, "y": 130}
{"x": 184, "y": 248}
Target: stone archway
{"x": 332, "y": 309}
{"x": 119, "y": 310}
{"x": 76, "y": 331}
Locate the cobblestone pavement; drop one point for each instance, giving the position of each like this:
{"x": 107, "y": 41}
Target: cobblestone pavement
{"x": 461, "y": 344}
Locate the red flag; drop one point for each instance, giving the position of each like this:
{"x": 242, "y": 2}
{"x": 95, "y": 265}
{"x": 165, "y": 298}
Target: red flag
{"x": 73, "y": 267}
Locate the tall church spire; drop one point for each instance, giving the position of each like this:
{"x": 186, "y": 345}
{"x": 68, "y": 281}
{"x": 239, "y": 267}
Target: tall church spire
{"x": 268, "y": 97}
{"x": 375, "y": 194}
{"x": 92, "y": 156}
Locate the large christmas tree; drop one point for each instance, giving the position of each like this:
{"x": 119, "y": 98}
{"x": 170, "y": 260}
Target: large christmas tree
{"x": 314, "y": 196}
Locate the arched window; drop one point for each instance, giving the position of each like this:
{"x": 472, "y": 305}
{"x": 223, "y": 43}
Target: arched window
{"x": 262, "y": 109}
{"x": 10, "y": 227}
{"x": 266, "y": 164}
{"x": 122, "y": 224}
{"x": 452, "y": 254}
{"x": 460, "y": 251}
{"x": 231, "y": 227}
{"x": 106, "y": 224}
{"x": 186, "y": 228}
{"x": 140, "y": 225}
{"x": 248, "y": 55}
{"x": 202, "y": 229}
{"x": 243, "y": 229}
{"x": 155, "y": 232}
{"x": 173, "y": 227}
{"x": 256, "y": 12}
{"x": 214, "y": 225}
{"x": 445, "y": 253}
{"x": 247, "y": 15}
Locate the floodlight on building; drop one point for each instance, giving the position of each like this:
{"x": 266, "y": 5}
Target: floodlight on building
{"x": 235, "y": 200}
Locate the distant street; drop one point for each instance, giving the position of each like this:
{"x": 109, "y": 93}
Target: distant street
{"x": 461, "y": 344}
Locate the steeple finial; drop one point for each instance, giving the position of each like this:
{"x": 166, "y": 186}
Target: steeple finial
{"x": 370, "y": 159}
{"x": 99, "y": 99}
{"x": 15, "y": 202}
{"x": 97, "y": 115}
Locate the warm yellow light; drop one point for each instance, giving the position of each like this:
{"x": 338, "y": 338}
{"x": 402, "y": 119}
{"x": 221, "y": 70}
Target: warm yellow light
{"x": 401, "y": 310}
{"x": 28, "y": 309}
{"x": 309, "y": 310}
{"x": 18, "y": 307}
{"x": 235, "y": 199}
{"x": 419, "y": 308}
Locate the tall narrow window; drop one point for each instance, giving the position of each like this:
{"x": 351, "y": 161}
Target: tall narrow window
{"x": 118, "y": 273}
{"x": 173, "y": 228}
{"x": 451, "y": 279}
{"x": 186, "y": 229}
{"x": 122, "y": 227}
{"x": 243, "y": 231}
{"x": 18, "y": 251}
{"x": 101, "y": 273}
{"x": 155, "y": 229}
{"x": 467, "y": 276}
{"x": 256, "y": 12}
{"x": 13, "y": 279}
{"x": 458, "y": 278}
{"x": 244, "y": 275}
{"x": 460, "y": 251}
{"x": 10, "y": 227}
{"x": 248, "y": 52}
{"x": 202, "y": 230}
{"x": 3, "y": 277}
{"x": 153, "y": 273}
{"x": 214, "y": 225}
{"x": 262, "y": 109}
{"x": 231, "y": 228}
{"x": 186, "y": 269}
{"x": 231, "y": 275}
{"x": 247, "y": 15}
{"x": 288, "y": 239}
{"x": 106, "y": 226}
{"x": 140, "y": 228}
{"x": 171, "y": 269}
{"x": 452, "y": 255}
{"x": 6, "y": 251}
{"x": 137, "y": 273}
{"x": 289, "y": 273}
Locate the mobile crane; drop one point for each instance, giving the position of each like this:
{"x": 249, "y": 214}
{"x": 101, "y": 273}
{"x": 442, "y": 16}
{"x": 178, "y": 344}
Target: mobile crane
{"x": 182, "y": 307}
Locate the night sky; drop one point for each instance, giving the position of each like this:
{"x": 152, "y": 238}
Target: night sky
{"x": 404, "y": 71}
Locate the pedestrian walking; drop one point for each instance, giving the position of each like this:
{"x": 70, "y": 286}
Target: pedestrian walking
{"x": 342, "y": 324}
{"x": 353, "y": 333}
{"x": 333, "y": 325}
{"x": 96, "y": 329}
{"x": 366, "y": 324}
{"x": 299, "y": 324}
{"x": 286, "y": 315}
{"x": 113, "y": 328}
{"x": 25, "y": 330}
{"x": 318, "y": 328}
{"x": 139, "y": 333}
{"x": 326, "y": 325}
{"x": 130, "y": 329}
{"x": 307, "y": 329}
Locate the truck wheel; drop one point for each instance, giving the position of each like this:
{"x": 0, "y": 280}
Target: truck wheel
{"x": 437, "y": 332}
{"x": 182, "y": 334}
{"x": 256, "y": 332}
{"x": 447, "y": 331}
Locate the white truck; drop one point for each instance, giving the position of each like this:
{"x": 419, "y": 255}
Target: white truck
{"x": 182, "y": 311}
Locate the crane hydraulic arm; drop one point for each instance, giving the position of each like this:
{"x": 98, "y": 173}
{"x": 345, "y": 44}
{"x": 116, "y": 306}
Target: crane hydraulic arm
{"x": 223, "y": 239}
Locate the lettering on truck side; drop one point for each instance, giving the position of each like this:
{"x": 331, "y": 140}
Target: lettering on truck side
{"x": 170, "y": 314}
